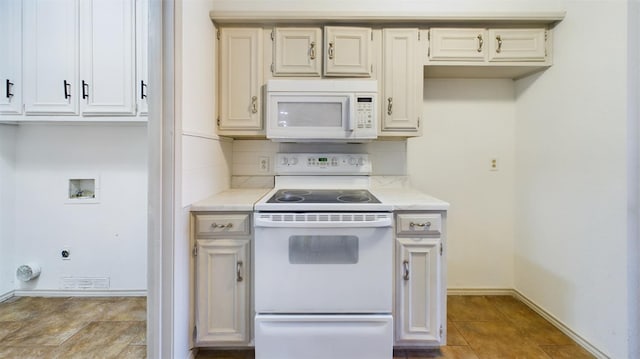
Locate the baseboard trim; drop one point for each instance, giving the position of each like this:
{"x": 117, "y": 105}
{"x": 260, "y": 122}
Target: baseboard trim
{"x": 543, "y": 313}
{"x": 80, "y": 293}
{"x": 7, "y": 295}
{"x": 561, "y": 326}
{"x": 480, "y": 291}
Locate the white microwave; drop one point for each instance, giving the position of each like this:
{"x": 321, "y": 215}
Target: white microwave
{"x": 321, "y": 110}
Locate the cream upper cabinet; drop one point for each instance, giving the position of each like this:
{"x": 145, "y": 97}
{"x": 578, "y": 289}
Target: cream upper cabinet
{"x": 107, "y": 57}
{"x": 401, "y": 96}
{"x": 79, "y": 57}
{"x": 347, "y": 51}
{"x": 51, "y": 57}
{"x": 142, "y": 50}
{"x": 297, "y": 51}
{"x": 241, "y": 80}
{"x": 11, "y": 59}
{"x": 222, "y": 292}
{"x": 517, "y": 44}
{"x": 447, "y": 44}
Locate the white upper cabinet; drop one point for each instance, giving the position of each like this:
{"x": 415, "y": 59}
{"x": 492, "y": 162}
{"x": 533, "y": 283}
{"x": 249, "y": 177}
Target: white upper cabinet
{"x": 448, "y": 44}
{"x": 297, "y": 51}
{"x": 51, "y": 57}
{"x": 347, "y": 51}
{"x": 401, "y": 96}
{"x": 107, "y": 50}
{"x": 241, "y": 80}
{"x": 517, "y": 44}
{"x": 79, "y": 57}
{"x": 11, "y": 58}
{"x": 142, "y": 51}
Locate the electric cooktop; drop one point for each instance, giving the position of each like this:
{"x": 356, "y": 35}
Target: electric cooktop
{"x": 293, "y": 196}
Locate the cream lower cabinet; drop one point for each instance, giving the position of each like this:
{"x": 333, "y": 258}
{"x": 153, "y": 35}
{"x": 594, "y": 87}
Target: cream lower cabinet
{"x": 401, "y": 96}
{"x": 241, "y": 80}
{"x": 420, "y": 308}
{"x": 222, "y": 252}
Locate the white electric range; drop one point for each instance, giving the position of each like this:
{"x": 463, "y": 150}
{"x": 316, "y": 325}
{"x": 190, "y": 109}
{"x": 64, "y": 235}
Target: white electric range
{"x": 323, "y": 262}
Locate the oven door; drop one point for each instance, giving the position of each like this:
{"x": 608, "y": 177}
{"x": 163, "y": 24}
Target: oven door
{"x": 323, "y": 262}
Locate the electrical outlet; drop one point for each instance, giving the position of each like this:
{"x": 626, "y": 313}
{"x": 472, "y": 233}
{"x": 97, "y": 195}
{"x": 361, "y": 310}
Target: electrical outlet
{"x": 493, "y": 165}
{"x": 263, "y": 164}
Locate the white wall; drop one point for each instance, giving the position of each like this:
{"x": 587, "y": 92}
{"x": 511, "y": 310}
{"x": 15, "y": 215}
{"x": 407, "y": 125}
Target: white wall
{"x": 106, "y": 239}
{"x": 571, "y": 174}
{"x": 466, "y": 123}
{"x": 7, "y": 207}
{"x": 203, "y": 159}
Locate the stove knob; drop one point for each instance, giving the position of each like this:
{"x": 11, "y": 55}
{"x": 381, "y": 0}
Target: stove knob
{"x": 360, "y": 161}
{"x": 293, "y": 161}
{"x": 284, "y": 161}
{"x": 352, "y": 161}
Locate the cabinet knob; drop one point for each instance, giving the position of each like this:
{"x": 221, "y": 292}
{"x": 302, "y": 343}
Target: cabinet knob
{"x": 312, "y": 50}
{"x": 331, "y": 51}
{"x": 480, "y": 42}
{"x": 67, "y": 89}
{"x": 405, "y": 267}
{"x": 239, "y": 271}
{"x": 85, "y": 90}
{"x": 254, "y": 104}
{"x": 499, "y": 47}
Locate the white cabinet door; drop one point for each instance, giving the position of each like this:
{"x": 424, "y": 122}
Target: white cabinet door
{"x": 402, "y": 80}
{"x": 452, "y": 44}
{"x": 142, "y": 51}
{"x": 222, "y": 291}
{"x": 240, "y": 79}
{"x": 347, "y": 51}
{"x": 107, "y": 69}
{"x": 418, "y": 293}
{"x": 11, "y": 58}
{"x": 517, "y": 44}
{"x": 51, "y": 56}
{"x": 297, "y": 51}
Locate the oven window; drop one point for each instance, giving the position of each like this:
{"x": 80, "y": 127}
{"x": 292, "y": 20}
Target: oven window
{"x": 310, "y": 114}
{"x": 323, "y": 249}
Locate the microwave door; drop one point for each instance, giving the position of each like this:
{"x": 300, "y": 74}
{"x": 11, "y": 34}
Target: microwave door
{"x": 309, "y": 117}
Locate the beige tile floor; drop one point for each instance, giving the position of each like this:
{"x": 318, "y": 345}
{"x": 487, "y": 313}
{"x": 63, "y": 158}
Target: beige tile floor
{"x": 482, "y": 327}
{"x": 44, "y": 328}
{"x": 478, "y": 327}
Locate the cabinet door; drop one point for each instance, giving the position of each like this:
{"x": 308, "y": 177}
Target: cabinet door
{"x": 347, "y": 51}
{"x": 11, "y": 58}
{"x": 51, "y": 56}
{"x": 447, "y": 44}
{"x": 402, "y": 74}
{"x": 107, "y": 57}
{"x": 418, "y": 304}
{"x": 517, "y": 44}
{"x": 297, "y": 51}
{"x": 240, "y": 78}
{"x": 222, "y": 291}
{"x": 142, "y": 51}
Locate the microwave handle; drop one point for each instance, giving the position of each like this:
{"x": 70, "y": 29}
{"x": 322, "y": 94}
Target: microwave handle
{"x": 351, "y": 124}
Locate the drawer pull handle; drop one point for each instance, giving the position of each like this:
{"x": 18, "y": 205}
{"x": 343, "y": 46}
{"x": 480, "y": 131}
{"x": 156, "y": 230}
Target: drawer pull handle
{"x": 331, "y": 51}
{"x": 405, "y": 266}
{"x": 499, "y": 48}
{"x": 239, "y": 271}
{"x": 254, "y": 104}
{"x": 390, "y": 106}
{"x": 215, "y": 225}
{"x": 312, "y": 51}
{"x": 426, "y": 224}
{"x": 480, "y": 43}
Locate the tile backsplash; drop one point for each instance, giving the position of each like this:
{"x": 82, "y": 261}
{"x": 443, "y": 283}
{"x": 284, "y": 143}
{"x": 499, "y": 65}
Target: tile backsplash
{"x": 388, "y": 158}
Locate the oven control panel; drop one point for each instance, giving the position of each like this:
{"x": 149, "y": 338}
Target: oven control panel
{"x": 318, "y": 163}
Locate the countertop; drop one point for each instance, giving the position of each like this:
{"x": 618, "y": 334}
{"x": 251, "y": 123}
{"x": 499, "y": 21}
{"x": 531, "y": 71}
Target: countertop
{"x": 243, "y": 199}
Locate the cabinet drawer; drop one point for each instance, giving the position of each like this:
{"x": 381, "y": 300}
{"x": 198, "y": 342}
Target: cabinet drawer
{"x": 222, "y": 224}
{"x": 419, "y": 223}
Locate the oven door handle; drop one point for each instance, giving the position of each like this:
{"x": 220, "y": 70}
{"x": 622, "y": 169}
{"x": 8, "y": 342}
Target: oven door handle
{"x": 383, "y": 222}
